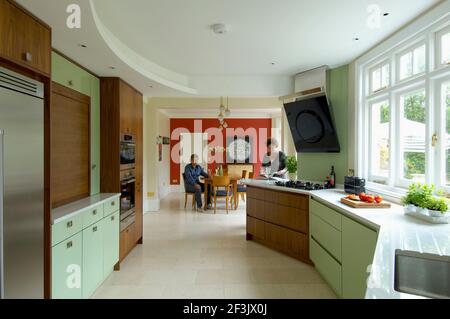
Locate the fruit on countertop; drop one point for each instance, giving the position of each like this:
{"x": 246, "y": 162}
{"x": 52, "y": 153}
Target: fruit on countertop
{"x": 362, "y": 197}
{"x": 378, "y": 199}
{"x": 353, "y": 197}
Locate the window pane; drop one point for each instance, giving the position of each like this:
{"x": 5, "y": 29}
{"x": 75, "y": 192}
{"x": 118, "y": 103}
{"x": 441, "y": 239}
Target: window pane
{"x": 406, "y": 67}
{"x": 447, "y": 137}
{"x": 385, "y": 76}
{"x": 380, "y": 140}
{"x": 445, "y": 49}
{"x": 376, "y": 80}
{"x": 412, "y": 134}
{"x": 419, "y": 60}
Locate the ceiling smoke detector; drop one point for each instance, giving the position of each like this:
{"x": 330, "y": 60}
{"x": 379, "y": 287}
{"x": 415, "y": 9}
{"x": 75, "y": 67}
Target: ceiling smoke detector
{"x": 220, "y": 28}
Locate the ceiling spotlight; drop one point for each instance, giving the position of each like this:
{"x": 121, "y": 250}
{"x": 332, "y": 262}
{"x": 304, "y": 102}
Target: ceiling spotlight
{"x": 112, "y": 67}
{"x": 355, "y": 39}
{"x": 150, "y": 86}
{"x": 385, "y": 14}
{"x": 220, "y": 28}
{"x": 273, "y": 63}
{"x": 82, "y": 45}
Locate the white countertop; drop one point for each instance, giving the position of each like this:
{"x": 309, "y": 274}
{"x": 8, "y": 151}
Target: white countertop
{"x": 395, "y": 231}
{"x": 61, "y": 213}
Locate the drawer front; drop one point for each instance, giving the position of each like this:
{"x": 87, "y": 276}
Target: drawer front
{"x": 111, "y": 236}
{"x": 256, "y": 193}
{"x": 67, "y": 228}
{"x": 329, "y": 268}
{"x": 66, "y": 257}
{"x": 255, "y": 208}
{"x": 327, "y": 214}
{"x": 286, "y": 199}
{"x": 329, "y": 237}
{"x": 289, "y": 217}
{"x": 256, "y": 227}
{"x": 92, "y": 258}
{"x": 92, "y": 215}
{"x": 111, "y": 206}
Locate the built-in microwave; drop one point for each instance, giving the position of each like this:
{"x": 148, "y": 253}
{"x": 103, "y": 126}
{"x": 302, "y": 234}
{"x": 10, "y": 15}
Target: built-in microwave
{"x": 127, "y": 151}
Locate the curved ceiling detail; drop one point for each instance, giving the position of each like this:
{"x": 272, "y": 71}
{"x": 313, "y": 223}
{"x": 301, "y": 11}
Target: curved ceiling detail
{"x": 138, "y": 63}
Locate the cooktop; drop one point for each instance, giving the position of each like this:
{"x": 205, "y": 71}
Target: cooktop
{"x": 309, "y": 186}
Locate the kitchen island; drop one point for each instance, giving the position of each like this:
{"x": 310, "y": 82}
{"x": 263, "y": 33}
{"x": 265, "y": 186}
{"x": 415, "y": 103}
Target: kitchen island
{"x": 353, "y": 249}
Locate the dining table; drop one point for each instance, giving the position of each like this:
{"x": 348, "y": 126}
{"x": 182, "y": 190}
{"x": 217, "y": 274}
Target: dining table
{"x": 234, "y": 180}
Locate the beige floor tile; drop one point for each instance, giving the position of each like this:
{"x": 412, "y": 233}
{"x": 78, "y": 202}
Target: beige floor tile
{"x": 191, "y": 255}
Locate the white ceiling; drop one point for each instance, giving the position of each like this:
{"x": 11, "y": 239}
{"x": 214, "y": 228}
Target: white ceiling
{"x": 295, "y": 34}
{"x": 167, "y": 44}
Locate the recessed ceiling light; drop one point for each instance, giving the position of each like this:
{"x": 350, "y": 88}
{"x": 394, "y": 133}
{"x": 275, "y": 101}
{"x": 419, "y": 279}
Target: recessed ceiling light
{"x": 150, "y": 86}
{"x": 82, "y": 45}
{"x": 220, "y": 28}
{"x": 385, "y": 14}
{"x": 112, "y": 67}
{"x": 355, "y": 39}
{"x": 273, "y": 63}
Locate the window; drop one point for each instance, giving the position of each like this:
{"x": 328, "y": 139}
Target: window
{"x": 412, "y": 136}
{"x": 403, "y": 133}
{"x": 379, "y": 78}
{"x": 380, "y": 142}
{"x": 443, "y": 47}
{"x": 446, "y": 133}
{"x": 413, "y": 62}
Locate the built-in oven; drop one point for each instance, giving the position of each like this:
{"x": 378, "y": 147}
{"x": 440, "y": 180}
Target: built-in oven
{"x": 127, "y": 151}
{"x": 127, "y": 199}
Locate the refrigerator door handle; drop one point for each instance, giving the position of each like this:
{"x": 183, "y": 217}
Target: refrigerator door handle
{"x": 2, "y": 264}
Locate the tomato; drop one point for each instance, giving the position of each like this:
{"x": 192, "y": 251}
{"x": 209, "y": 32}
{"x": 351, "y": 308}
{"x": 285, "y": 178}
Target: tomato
{"x": 362, "y": 197}
{"x": 379, "y": 199}
{"x": 370, "y": 199}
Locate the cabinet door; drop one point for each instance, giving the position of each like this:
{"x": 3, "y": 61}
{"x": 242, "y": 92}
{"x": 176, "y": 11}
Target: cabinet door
{"x": 358, "y": 248}
{"x": 126, "y": 109}
{"x": 92, "y": 258}
{"x": 25, "y": 40}
{"x": 67, "y": 269}
{"x": 111, "y": 243}
{"x": 139, "y": 165}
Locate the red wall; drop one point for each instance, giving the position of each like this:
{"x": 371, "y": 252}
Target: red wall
{"x": 259, "y": 141}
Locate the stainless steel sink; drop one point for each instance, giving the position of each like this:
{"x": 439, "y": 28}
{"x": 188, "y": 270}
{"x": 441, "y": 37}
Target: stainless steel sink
{"x": 425, "y": 275}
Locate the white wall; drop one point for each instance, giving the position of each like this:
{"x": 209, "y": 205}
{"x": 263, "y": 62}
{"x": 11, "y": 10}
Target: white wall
{"x": 163, "y": 168}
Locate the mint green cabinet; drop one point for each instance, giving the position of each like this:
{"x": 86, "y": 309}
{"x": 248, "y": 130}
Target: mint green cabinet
{"x": 67, "y": 268}
{"x": 358, "y": 249}
{"x": 92, "y": 258}
{"x": 111, "y": 239}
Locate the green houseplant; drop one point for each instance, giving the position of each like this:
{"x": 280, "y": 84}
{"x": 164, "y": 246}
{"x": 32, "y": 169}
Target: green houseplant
{"x": 291, "y": 165}
{"x": 420, "y": 198}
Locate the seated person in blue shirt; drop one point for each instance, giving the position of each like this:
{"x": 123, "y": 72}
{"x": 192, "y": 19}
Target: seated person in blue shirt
{"x": 192, "y": 173}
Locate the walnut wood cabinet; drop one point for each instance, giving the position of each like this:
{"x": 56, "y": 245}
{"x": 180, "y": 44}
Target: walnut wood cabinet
{"x": 121, "y": 108}
{"x": 25, "y": 40}
{"x": 279, "y": 220}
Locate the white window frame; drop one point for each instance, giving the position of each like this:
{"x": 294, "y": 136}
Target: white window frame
{"x": 438, "y": 47}
{"x": 371, "y": 103}
{"x": 422, "y": 30}
{"x": 380, "y": 67}
{"x": 407, "y": 50}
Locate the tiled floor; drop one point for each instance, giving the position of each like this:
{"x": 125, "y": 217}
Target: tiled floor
{"x": 202, "y": 255}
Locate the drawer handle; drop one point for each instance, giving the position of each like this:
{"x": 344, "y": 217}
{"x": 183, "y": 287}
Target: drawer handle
{"x": 113, "y": 203}
{"x": 28, "y": 56}
{"x": 69, "y": 224}
{"x": 95, "y": 229}
{"x": 113, "y": 218}
{"x": 69, "y": 245}
{"x": 94, "y": 212}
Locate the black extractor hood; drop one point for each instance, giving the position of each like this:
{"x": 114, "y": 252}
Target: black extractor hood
{"x": 311, "y": 123}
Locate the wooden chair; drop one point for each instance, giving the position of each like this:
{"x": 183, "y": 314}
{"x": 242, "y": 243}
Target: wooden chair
{"x": 242, "y": 189}
{"x": 251, "y": 175}
{"x": 226, "y": 192}
{"x": 187, "y": 194}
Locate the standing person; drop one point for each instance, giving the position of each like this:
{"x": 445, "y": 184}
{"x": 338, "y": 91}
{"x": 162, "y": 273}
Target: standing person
{"x": 275, "y": 159}
{"x": 192, "y": 174}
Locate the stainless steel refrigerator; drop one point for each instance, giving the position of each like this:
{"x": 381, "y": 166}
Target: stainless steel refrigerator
{"x": 21, "y": 187}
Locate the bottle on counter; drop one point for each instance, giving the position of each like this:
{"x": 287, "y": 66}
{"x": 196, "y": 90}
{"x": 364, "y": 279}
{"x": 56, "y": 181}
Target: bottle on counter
{"x": 332, "y": 178}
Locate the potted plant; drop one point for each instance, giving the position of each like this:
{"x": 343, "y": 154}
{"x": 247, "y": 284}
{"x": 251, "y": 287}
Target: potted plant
{"x": 437, "y": 206}
{"x": 291, "y": 165}
{"x": 417, "y": 197}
